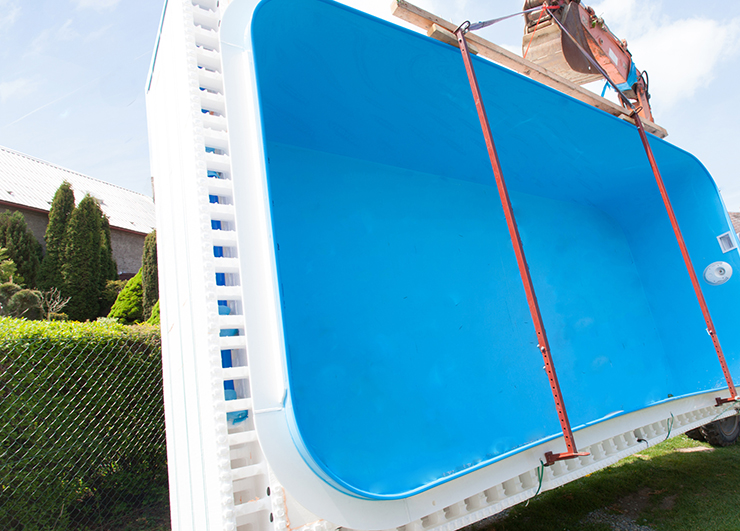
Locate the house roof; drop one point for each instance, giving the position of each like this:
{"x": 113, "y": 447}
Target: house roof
{"x": 735, "y": 218}
{"x": 31, "y": 183}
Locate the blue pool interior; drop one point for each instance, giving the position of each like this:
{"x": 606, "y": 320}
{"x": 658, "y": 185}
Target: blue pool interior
{"x": 410, "y": 350}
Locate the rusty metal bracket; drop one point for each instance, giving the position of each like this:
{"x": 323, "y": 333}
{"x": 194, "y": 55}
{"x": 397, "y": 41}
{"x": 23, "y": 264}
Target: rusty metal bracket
{"x": 551, "y": 458}
{"x": 516, "y": 242}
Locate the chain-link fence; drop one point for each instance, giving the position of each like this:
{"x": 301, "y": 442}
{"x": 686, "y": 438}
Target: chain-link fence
{"x": 82, "y": 442}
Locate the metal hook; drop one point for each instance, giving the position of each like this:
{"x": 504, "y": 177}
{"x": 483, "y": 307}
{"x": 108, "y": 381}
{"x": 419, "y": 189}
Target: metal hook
{"x": 464, "y": 27}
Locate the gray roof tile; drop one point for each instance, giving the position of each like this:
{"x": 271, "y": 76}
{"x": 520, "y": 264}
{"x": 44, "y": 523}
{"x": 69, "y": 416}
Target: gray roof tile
{"x": 30, "y": 182}
{"x": 735, "y": 218}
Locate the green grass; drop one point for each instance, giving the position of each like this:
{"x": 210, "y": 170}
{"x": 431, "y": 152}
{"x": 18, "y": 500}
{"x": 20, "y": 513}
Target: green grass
{"x": 152, "y": 518}
{"x": 660, "y": 487}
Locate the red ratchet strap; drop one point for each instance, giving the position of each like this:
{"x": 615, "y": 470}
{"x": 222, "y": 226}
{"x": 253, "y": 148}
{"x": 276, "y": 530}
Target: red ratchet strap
{"x": 521, "y": 261}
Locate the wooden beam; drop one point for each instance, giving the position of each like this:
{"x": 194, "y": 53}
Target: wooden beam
{"x": 427, "y": 21}
{"x": 445, "y": 35}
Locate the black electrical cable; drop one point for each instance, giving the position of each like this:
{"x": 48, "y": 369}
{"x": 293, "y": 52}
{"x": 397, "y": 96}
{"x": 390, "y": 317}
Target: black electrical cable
{"x": 646, "y": 79}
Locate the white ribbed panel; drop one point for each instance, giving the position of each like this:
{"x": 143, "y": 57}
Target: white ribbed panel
{"x": 524, "y": 486}
{"x": 218, "y": 476}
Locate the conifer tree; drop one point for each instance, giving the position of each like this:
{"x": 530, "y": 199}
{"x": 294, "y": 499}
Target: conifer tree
{"x": 81, "y": 267}
{"x": 149, "y": 279}
{"x": 22, "y": 246}
{"x": 8, "y": 270}
{"x": 108, "y": 265}
{"x": 62, "y": 206}
{"x": 127, "y": 308}
{"x": 109, "y": 295}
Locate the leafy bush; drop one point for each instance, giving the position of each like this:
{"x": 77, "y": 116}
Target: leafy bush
{"x": 81, "y": 423}
{"x": 128, "y": 306}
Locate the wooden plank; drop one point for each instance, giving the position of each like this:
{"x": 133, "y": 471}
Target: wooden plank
{"x": 444, "y": 35}
{"x": 425, "y": 20}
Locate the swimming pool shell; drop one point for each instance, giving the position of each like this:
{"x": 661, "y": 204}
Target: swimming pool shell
{"x": 410, "y": 352}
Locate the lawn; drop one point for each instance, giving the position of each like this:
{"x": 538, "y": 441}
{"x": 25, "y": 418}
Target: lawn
{"x": 152, "y": 518}
{"x": 679, "y": 485}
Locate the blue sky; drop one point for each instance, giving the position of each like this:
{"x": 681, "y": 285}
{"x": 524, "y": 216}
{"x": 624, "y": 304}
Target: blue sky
{"x": 74, "y": 72}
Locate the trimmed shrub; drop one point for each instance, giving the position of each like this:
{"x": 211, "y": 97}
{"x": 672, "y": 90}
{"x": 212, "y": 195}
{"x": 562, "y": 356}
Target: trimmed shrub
{"x": 81, "y": 423}
{"x": 62, "y": 206}
{"x": 154, "y": 318}
{"x": 56, "y": 316}
{"x": 25, "y": 304}
{"x": 149, "y": 280}
{"x": 127, "y": 309}
{"x": 81, "y": 268}
{"x": 22, "y": 246}
{"x": 7, "y": 290}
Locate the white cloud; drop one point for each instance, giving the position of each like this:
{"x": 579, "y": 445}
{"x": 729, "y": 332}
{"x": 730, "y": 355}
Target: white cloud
{"x": 452, "y": 10}
{"x": 9, "y": 89}
{"x": 683, "y": 56}
{"x": 680, "y": 56}
{"x": 449, "y": 9}
{"x": 9, "y": 13}
{"x": 66, "y": 33}
{"x": 637, "y": 17}
{"x": 97, "y": 5}
{"x": 96, "y": 34}
{"x": 39, "y": 44}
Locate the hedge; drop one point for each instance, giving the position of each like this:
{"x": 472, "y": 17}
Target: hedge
{"x": 81, "y": 423}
